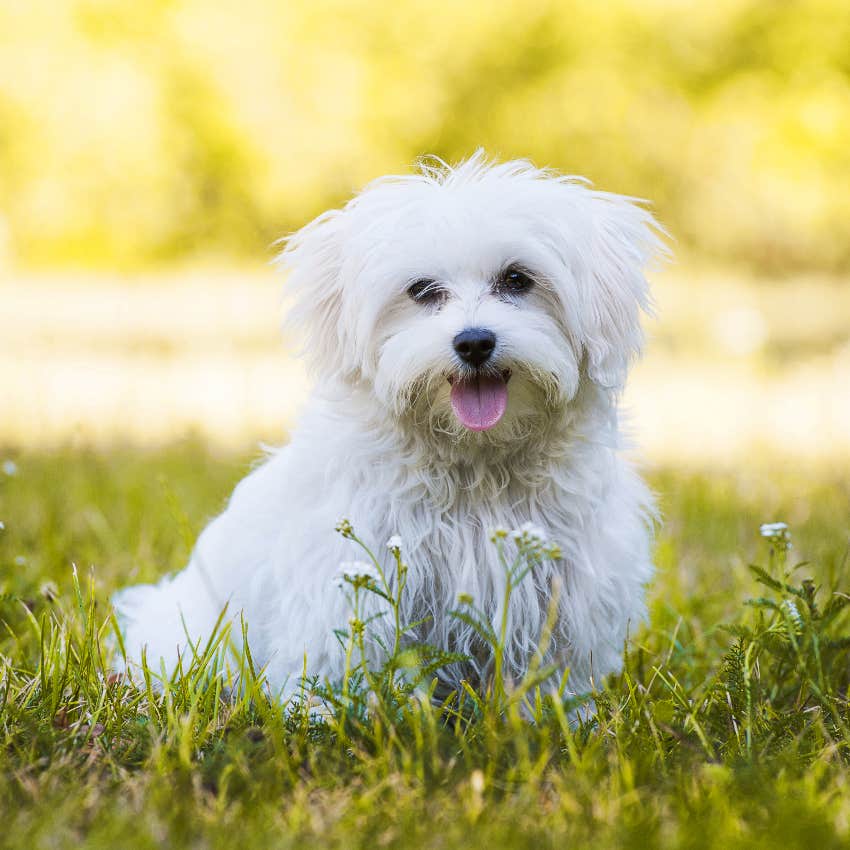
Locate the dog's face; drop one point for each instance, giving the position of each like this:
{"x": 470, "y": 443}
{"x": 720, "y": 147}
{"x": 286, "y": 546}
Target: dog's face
{"x": 474, "y": 301}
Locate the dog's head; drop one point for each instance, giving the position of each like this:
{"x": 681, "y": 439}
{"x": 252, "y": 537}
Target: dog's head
{"x": 474, "y": 300}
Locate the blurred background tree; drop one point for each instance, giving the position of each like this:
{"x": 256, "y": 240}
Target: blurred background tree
{"x": 139, "y": 133}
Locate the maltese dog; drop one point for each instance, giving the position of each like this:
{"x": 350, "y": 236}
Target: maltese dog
{"x": 470, "y": 329}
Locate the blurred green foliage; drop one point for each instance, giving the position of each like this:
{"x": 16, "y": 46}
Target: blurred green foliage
{"x": 133, "y": 133}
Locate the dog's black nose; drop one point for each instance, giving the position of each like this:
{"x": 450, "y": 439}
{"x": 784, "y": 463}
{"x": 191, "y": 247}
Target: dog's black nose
{"x": 475, "y": 345}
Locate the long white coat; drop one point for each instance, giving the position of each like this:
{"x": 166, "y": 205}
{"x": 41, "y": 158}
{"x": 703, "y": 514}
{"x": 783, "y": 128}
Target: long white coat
{"x": 378, "y": 442}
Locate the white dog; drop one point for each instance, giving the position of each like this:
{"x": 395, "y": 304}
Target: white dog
{"x": 470, "y": 330}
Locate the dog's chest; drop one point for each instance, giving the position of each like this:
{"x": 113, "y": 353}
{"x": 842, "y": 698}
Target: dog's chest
{"x": 455, "y": 543}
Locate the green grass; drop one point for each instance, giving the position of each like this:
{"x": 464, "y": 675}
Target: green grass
{"x": 729, "y": 728}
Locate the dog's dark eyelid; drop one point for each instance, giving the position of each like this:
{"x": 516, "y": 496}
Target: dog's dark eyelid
{"x": 425, "y": 291}
{"x": 514, "y": 280}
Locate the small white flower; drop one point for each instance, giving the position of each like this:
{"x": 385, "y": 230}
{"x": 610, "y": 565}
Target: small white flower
{"x": 553, "y": 551}
{"x": 529, "y": 533}
{"x": 20, "y": 561}
{"x": 358, "y": 569}
{"x": 10, "y": 468}
{"x": 394, "y": 544}
{"x": 773, "y": 529}
{"x": 777, "y": 533}
{"x": 355, "y": 572}
{"x": 345, "y": 528}
{"x": 498, "y": 533}
{"x": 2, "y": 525}
{"x": 793, "y": 612}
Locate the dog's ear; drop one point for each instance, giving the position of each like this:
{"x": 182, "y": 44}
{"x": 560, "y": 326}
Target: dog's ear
{"x": 312, "y": 259}
{"x": 625, "y": 239}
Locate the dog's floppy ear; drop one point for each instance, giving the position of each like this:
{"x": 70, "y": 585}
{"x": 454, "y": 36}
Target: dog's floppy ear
{"x": 625, "y": 239}
{"x": 312, "y": 260}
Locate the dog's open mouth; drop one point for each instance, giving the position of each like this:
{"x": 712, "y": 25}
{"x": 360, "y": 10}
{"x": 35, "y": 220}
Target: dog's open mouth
{"x": 479, "y": 401}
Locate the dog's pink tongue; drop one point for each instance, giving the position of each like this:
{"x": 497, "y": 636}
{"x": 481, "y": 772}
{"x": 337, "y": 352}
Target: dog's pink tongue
{"x": 479, "y": 402}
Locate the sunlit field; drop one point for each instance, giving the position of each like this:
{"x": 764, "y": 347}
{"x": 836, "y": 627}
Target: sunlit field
{"x": 729, "y": 727}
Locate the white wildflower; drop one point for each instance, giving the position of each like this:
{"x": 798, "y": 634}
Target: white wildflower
{"x": 498, "y": 533}
{"x": 2, "y": 525}
{"x": 20, "y": 561}
{"x": 793, "y": 612}
{"x": 355, "y": 572}
{"x": 777, "y": 533}
{"x": 345, "y": 528}
{"x": 358, "y": 569}
{"x": 553, "y": 551}
{"x": 394, "y": 544}
{"x": 10, "y": 468}
{"x": 529, "y": 534}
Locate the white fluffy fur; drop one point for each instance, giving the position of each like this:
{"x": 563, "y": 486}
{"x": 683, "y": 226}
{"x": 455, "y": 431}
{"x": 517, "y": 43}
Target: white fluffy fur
{"x": 378, "y": 442}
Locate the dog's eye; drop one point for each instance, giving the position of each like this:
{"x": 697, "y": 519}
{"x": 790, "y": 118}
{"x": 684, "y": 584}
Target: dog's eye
{"x": 514, "y": 281}
{"x": 426, "y": 291}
